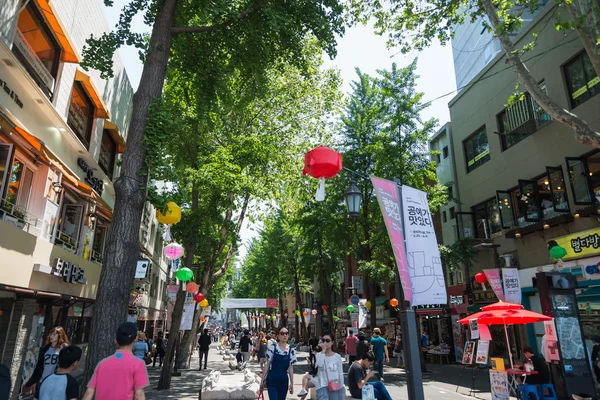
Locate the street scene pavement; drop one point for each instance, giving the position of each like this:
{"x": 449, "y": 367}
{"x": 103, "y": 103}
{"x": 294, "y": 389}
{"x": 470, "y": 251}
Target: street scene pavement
{"x": 440, "y": 381}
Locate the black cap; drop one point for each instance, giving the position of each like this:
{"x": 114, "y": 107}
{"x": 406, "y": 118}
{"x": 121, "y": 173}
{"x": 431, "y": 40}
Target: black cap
{"x": 126, "y": 333}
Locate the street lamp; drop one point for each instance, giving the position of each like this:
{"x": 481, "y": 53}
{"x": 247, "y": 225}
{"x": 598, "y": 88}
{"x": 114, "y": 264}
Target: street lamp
{"x": 353, "y": 198}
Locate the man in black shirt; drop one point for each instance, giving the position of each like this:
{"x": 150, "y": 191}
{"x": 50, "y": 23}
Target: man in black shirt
{"x": 539, "y": 365}
{"x": 362, "y": 346}
{"x": 204, "y": 343}
{"x": 245, "y": 346}
{"x": 313, "y": 342}
{"x": 358, "y": 377}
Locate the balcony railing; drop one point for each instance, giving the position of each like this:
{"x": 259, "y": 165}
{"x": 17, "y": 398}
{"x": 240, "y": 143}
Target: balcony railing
{"x": 520, "y": 120}
{"x": 96, "y": 257}
{"x": 66, "y": 242}
{"x": 33, "y": 64}
{"x": 18, "y": 217}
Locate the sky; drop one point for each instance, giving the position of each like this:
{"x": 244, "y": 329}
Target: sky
{"x": 360, "y": 47}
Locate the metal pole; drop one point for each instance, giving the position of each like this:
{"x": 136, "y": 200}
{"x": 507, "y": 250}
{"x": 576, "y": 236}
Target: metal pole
{"x": 410, "y": 335}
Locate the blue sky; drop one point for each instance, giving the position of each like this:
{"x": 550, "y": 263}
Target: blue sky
{"x": 360, "y": 47}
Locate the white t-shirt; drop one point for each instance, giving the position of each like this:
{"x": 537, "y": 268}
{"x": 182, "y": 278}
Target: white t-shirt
{"x": 50, "y": 361}
{"x": 334, "y": 367}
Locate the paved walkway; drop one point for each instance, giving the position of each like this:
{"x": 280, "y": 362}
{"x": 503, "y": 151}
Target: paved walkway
{"x": 439, "y": 382}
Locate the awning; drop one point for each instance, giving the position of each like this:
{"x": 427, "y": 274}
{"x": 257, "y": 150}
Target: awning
{"x": 379, "y": 301}
{"x": 92, "y": 92}
{"x": 116, "y": 135}
{"x": 68, "y": 53}
{"x": 24, "y": 138}
{"x": 592, "y": 295}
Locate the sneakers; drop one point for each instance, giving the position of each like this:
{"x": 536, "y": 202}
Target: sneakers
{"x": 302, "y": 393}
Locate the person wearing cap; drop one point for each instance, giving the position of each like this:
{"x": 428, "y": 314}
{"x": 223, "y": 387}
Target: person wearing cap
{"x": 379, "y": 348}
{"x": 122, "y": 375}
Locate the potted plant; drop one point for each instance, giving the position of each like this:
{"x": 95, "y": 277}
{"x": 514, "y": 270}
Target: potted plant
{"x": 21, "y": 217}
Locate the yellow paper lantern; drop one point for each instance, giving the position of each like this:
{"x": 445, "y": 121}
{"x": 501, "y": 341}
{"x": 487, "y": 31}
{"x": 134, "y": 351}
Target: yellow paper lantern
{"x": 171, "y": 216}
{"x": 204, "y": 303}
{"x": 368, "y": 305}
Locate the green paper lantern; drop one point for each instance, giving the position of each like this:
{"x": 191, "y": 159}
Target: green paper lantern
{"x": 350, "y": 308}
{"x": 184, "y": 274}
{"x": 557, "y": 252}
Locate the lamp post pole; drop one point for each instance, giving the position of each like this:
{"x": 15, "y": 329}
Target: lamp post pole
{"x": 408, "y": 321}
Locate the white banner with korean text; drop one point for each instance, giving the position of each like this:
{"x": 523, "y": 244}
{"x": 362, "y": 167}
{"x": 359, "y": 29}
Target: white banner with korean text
{"x": 424, "y": 262}
{"x": 512, "y": 285}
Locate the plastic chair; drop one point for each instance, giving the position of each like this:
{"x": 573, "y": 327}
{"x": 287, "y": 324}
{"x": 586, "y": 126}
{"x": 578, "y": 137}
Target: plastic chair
{"x": 547, "y": 392}
{"x": 529, "y": 392}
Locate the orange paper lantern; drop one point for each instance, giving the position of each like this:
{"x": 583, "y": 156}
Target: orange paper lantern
{"x": 394, "y": 302}
{"x": 191, "y": 287}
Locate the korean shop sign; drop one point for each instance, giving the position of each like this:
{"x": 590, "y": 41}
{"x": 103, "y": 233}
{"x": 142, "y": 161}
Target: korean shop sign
{"x": 90, "y": 179}
{"x": 580, "y": 244}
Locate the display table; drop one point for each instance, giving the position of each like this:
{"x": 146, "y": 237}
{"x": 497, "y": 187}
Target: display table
{"x": 439, "y": 356}
{"x": 513, "y": 381}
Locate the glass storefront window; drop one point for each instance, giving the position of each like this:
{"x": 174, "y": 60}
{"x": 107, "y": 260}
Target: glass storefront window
{"x": 81, "y": 114}
{"x": 108, "y": 152}
{"x": 39, "y": 38}
{"x": 19, "y": 188}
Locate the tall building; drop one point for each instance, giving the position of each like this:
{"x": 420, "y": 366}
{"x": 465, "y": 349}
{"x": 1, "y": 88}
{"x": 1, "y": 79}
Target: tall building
{"x": 62, "y": 129}
{"x": 474, "y": 46}
{"x": 525, "y": 183}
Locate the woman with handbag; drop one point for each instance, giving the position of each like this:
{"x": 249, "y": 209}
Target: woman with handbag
{"x": 330, "y": 372}
{"x": 281, "y": 358}
{"x": 140, "y": 348}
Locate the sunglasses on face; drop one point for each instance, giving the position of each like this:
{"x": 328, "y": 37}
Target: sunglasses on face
{"x": 284, "y": 333}
{"x": 326, "y": 340}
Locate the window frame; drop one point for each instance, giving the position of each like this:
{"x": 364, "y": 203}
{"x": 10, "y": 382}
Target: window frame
{"x": 108, "y": 170}
{"x": 483, "y": 205}
{"x": 579, "y": 57}
{"x": 445, "y": 152}
{"x": 588, "y": 181}
{"x": 535, "y": 196}
{"x": 474, "y": 166}
{"x": 86, "y": 141}
{"x": 510, "y": 205}
{"x": 549, "y": 171}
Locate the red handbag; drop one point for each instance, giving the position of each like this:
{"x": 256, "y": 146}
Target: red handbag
{"x": 261, "y": 395}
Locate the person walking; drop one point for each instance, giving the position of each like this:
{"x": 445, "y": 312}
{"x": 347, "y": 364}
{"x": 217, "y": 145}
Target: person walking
{"x": 47, "y": 360}
{"x": 351, "y": 342}
{"x": 313, "y": 342}
{"x": 278, "y": 374}
{"x": 261, "y": 350}
{"x": 140, "y": 348}
{"x": 204, "y": 345}
{"x": 362, "y": 346}
{"x": 379, "y": 348}
{"x": 122, "y": 375}
{"x": 330, "y": 372}
{"x": 61, "y": 385}
{"x": 245, "y": 346}
{"x": 161, "y": 346}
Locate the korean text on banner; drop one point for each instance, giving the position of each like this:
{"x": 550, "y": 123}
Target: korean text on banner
{"x": 493, "y": 277}
{"x": 389, "y": 202}
{"x": 423, "y": 256}
{"x": 512, "y": 285}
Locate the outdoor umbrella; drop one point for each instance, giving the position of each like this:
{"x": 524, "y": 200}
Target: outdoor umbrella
{"x": 503, "y": 313}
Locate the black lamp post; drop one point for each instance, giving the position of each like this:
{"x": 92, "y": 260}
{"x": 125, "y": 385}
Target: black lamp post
{"x": 353, "y": 198}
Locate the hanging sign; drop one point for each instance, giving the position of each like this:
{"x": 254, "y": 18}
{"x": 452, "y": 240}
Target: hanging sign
{"x": 141, "y": 269}
{"x": 493, "y": 277}
{"x": 578, "y": 245}
{"x": 512, "y": 285}
{"x": 389, "y": 202}
{"x": 423, "y": 256}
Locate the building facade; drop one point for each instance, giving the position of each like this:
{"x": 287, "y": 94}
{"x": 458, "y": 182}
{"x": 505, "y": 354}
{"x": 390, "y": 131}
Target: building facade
{"x": 525, "y": 183}
{"x": 62, "y": 129}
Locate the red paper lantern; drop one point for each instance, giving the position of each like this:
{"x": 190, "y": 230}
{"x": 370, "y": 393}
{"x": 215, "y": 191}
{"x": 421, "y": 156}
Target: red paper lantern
{"x": 480, "y": 277}
{"x": 324, "y": 307}
{"x": 305, "y": 314}
{"x": 198, "y": 297}
{"x": 322, "y": 162}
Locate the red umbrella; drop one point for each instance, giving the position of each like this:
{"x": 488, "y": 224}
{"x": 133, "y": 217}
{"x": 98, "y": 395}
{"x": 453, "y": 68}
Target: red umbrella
{"x": 502, "y": 313}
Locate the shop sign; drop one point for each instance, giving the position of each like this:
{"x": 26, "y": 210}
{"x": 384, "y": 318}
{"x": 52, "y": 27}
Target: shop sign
{"x": 10, "y": 93}
{"x": 379, "y": 312}
{"x": 71, "y": 273}
{"x": 485, "y": 297}
{"x": 457, "y": 300}
{"x": 578, "y": 245}
{"x": 141, "y": 269}
{"x": 95, "y": 183}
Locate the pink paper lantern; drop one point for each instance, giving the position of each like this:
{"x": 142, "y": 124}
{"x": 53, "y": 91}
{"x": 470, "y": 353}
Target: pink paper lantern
{"x": 173, "y": 251}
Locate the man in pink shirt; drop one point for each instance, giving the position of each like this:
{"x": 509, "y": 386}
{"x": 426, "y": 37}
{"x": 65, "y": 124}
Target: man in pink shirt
{"x": 351, "y": 341}
{"x": 121, "y": 376}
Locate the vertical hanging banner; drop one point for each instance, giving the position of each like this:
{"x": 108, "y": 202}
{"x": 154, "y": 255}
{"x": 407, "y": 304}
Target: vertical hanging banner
{"x": 422, "y": 253}
{"x": 493, "y": 277}
{"x": 389, "y": 202}
{"x": 512, "y": 285}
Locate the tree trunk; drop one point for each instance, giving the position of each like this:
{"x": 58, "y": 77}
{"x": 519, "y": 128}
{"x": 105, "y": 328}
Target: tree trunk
{"x": 583, "y": 132}
{"x": 122, "y": 248}
{"x": 589, "y": 29}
